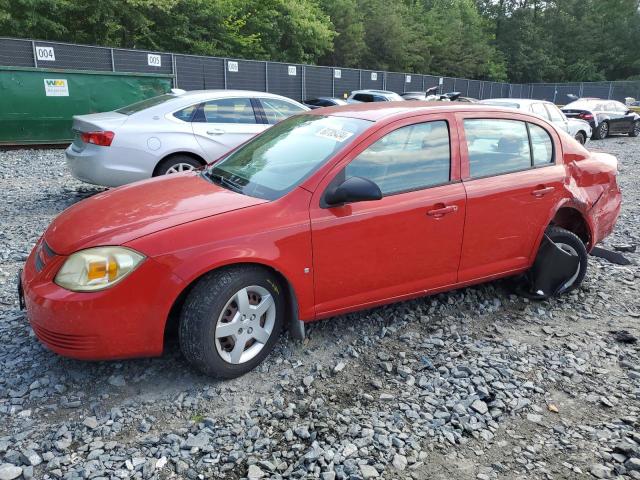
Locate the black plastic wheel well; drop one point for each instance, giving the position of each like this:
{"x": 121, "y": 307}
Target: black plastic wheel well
{"x": 173, "y": 320}
{"x": 572, "y": 220}
{"x": 197, "y": 158}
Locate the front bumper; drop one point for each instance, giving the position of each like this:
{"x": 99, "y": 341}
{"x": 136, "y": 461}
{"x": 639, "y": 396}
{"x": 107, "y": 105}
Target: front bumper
{"x": 124, "y": 321}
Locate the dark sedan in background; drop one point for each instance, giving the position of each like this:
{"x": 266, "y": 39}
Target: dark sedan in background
{"x": 604, "y": 116}
{"x": 319, "y": 102}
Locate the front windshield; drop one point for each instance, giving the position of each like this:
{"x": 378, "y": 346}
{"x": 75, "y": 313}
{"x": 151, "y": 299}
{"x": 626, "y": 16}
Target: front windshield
{"x": 147, "y": 103}
{"x": 278, "y": 160}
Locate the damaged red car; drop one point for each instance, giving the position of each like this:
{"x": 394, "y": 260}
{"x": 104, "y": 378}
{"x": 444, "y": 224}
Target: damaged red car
{"x": 335, "y": 210}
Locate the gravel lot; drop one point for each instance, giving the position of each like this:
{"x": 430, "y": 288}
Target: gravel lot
{"x": 476, "y": 383}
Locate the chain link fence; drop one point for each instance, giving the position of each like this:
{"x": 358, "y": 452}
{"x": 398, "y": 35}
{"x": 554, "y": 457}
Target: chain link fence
{"x": 193, "y": 72}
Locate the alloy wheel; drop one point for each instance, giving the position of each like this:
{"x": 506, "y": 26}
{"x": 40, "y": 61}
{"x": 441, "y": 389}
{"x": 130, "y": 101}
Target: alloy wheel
{"x": 180, "y": 167}
{"x": 604, "y": 129}
{"x": 245, "y": 324}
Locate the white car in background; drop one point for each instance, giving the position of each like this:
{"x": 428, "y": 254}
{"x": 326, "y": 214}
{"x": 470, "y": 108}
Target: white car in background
{"x": 359, "y": 96}
{"x": 170, "y": 133}
{"x": 578, "y": 129}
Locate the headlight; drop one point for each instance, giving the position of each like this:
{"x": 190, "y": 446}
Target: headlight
{"x": 97, "y": 268}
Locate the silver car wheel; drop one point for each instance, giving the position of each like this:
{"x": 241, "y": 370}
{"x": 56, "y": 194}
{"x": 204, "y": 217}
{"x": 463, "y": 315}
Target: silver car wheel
{"x": 245, "y": 324}
{"x": 571, "y": 251}
{"x": 604, "y": 130}
{"x": 180, "y": 167}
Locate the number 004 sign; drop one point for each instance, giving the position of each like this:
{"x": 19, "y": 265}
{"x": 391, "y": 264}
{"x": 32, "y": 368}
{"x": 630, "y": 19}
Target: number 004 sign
{"x": 45, "y": 54}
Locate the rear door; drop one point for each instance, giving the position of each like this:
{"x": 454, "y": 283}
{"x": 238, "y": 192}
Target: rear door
{"x": 408, "y": 242}
{"x": 222, "y": 124}
{"x": 513, "y": 176}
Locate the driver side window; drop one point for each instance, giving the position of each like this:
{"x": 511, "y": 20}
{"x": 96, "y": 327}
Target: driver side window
{"x": 409, "y": 158}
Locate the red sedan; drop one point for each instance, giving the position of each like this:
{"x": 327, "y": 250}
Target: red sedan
{"x": 328, "y": 212}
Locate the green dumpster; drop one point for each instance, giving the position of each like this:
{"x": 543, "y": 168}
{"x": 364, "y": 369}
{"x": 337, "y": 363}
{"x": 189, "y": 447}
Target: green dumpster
{"x": 37, "y": 105}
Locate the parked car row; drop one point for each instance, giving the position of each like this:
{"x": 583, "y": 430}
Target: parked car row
{"x": 577, "y": 128}
{"x": 297, "y": 223}
{"x": 604, "y": 116}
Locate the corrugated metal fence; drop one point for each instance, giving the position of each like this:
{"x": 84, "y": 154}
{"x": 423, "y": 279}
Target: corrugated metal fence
{"x": 192, "y": 72}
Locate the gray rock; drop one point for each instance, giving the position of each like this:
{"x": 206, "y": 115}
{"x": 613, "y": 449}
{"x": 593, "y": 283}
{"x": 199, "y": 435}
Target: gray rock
{"x": 480, "y": 407}
{"x": 200, "y": 440}
{"x": 9, "y": 471}
{"x": 368, "y": 471}
{"x": 399, "y": 462}
{"x": 255, "y": 472}
{"x": 600, "y": 471}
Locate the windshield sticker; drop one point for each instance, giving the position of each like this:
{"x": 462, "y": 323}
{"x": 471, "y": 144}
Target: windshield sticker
{"x": 334, "y": 134}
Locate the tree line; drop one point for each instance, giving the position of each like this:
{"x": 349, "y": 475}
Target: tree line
{"x": 500, "y": 40}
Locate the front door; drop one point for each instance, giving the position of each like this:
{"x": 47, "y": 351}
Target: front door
{"x": 221, "y": 125}
{"x": 513, "y": 175}
{"x": 408, "y": 242}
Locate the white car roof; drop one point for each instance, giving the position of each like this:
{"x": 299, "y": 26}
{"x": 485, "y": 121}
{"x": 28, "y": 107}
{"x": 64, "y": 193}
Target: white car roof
{"x": 196, "y": 95}
{"x": 519, "y": 101}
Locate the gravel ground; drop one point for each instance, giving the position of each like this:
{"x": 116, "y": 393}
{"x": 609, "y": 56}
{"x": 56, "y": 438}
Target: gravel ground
{"x": 475, "y": 383}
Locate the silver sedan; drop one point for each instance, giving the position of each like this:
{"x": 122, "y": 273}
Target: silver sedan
{"x": 169, "y": 133}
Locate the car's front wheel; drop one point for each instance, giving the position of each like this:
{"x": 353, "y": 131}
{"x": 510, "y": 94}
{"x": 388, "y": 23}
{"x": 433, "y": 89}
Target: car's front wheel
{"x": 635, "y": 130}
{"x": 231, "y": 320}
{"x": 602, "y": 131}
{"x": 177, "y": 164}
{"x": 581, "y": 138}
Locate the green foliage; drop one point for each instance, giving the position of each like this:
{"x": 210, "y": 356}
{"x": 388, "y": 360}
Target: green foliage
{"x": 515, "y": 40}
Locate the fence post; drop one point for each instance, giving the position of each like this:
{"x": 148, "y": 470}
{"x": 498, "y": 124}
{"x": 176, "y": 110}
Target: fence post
{"x": 510, "y": 90}
{"x": 333, "y": 82}
{"x": 360, "y": 80}
{"x": 303, "y": 89}
{"x": 581, "y": 90}
{"x": 35, "y": 55}
{"x": 610, "y": 89}
{"x": 173, "y": 69}
{"x": 224, "y": 66}
{"x": 113, "y": 62}
{"x": 266, "y": 76}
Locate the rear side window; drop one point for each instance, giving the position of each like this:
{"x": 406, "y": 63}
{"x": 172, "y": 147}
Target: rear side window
{"x": 541, "y": 145}
{"x": 555, "y": 113}
{"x": 186, "y": 114}
{"x": 409, "y": 158}
{"x": 363, "y": 97}
{"x": 499, "y": 146}
{"x": 144, "y": 104}
{"x": 277, "y": 110}
{"x": 226, "y": 110}
{"x": 539, "y": 109}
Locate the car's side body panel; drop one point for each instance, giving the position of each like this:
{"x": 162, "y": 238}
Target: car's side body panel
{"x": 336, "y": 260}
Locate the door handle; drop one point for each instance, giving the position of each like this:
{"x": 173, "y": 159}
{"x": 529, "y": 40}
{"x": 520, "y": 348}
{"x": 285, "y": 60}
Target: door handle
{"x": 215, "y": 131}
{"x": 541, "y": 191}
{"x": 441, "y": 210}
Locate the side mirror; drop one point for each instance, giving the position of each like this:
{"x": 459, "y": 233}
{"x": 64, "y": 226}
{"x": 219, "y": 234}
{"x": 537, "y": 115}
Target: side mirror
{"x": 353, "y": 189}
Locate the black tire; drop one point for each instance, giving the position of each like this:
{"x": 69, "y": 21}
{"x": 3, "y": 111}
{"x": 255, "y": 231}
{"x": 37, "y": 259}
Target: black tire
{"x": 635, "y": 129}
{"x": 560, "y": 235}
{"x": 602, "y": 131}
{"x": 171, "y": 162}
{"x": 581, "y": 138}
{"x": 202, "y": 310}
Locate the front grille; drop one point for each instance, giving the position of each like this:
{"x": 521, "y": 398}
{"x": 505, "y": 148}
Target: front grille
{"x": 64, "y": 341}
{"x": 43, "y": 255}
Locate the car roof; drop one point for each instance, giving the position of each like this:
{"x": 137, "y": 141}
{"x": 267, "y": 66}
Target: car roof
{"x": 202, "y": 94}
{"x": 381, "y": 92}
{"x": 376, "y": 111}
{"x": 521, "y": 101}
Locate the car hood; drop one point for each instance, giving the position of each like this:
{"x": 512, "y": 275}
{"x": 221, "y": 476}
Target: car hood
{"x": 123, "y": 214}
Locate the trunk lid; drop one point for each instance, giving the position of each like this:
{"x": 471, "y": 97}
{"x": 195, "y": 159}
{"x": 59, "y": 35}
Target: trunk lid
{"x": 94, "y": 122}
